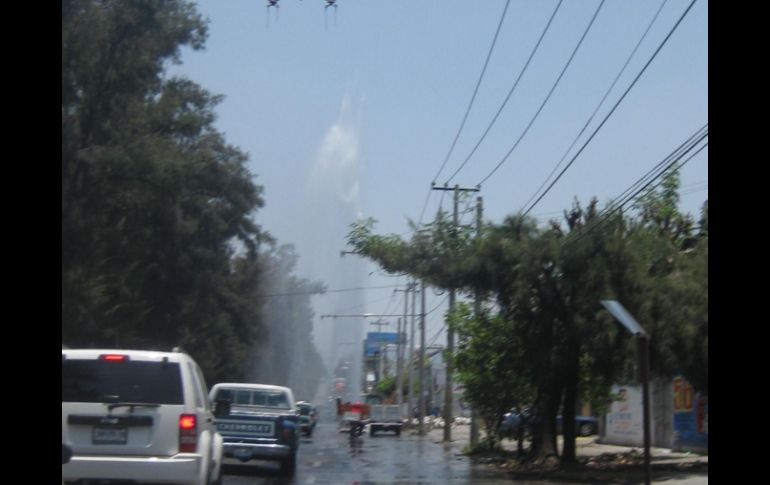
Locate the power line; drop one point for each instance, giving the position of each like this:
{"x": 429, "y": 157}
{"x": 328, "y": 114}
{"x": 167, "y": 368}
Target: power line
{"x": 553, "y": 88}
{"x": 475, "y": 91}
{"x": 664, "y": 164}
{"x": 510, "y": 92}
{"x": 676, "y": 156}
{"x": 633, "y": 83}
{"x": 321, "y": 292}
{"x": 365, "y": 304}
{"x": 598, "y": 106}
{"x": 437, "y": 335}
{"x": 468, "y": 110}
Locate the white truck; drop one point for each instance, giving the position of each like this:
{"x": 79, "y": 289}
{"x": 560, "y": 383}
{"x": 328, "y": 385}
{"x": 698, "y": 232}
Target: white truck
{"x": 385, "y": 417}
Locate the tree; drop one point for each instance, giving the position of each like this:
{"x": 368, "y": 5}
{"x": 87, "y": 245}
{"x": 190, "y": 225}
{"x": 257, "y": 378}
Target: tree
{"x": 560, "y": 346}
{"x": 488, "y": 360}
{"x": 159, "y": 248}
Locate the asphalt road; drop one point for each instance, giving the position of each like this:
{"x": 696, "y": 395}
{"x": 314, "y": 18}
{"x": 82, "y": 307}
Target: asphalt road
{"x": 329, "y": 457}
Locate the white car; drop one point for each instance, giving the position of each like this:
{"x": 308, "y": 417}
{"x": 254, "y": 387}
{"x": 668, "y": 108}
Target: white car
{"x": 138, "y": 416}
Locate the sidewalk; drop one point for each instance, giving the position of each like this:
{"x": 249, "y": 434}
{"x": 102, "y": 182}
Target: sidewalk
{"x": 603, "y": 460}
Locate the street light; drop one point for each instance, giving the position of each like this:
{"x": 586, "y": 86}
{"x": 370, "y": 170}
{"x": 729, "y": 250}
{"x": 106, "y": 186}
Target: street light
{"x": 643, "y": 346}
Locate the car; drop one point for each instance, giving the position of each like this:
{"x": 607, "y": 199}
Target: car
{"x": 262, "y": 424}
{"x": 584, "y": 425}
{"x": 308, "y": 417}
{"x": 137, "y": 416}
{"x": 514, "y": 421}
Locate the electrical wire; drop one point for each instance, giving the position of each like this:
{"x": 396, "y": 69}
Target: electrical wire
{"x": 468, "y": 110}
{"x": 475, "y": 92}
{"x": 677, "y": 155}
{"x": 633, "y": 83}
{"x": 553, "y": 88}
{"x": 322, "y": 292}
{"x": 510, "y": 92}
{"x": 601, "y": 103}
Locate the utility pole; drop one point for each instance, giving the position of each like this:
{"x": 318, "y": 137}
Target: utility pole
{"x": 410, "y": 402}
{"x": 398, "y": 364}
{"x": 400, "y": 349}
{"x": 422, "y": 359}
{"x": 477, "y": 313}
{"x": 450, "y": 334}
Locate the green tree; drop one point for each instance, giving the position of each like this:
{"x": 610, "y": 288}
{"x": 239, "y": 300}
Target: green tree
{"x": 560, "y": 346}
{"x": 488, "y": 360}
{"x": 159, "y": 247}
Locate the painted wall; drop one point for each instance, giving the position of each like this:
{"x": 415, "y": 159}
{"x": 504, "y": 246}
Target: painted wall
{"x": 691, "y": 417}
{"x": 679, "y": 417}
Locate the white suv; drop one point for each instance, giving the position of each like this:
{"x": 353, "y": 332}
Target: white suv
{"x": 137, "y": 415}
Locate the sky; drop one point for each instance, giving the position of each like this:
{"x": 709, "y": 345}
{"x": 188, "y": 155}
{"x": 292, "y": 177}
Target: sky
{"x": 350, "y": 112}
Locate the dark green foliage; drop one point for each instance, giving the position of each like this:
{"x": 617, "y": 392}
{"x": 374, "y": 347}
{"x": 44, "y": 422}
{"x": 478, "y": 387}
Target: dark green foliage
{"x": 551, "y": 345}
{"x": 159, "y": 244}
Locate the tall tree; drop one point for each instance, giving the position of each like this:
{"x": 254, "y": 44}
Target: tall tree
{"x": 154, "y": 201}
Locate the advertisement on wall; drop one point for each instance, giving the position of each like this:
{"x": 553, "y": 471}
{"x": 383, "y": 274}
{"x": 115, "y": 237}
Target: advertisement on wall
{"x": 691, "y": 417}
{"x": 624, "y": 419}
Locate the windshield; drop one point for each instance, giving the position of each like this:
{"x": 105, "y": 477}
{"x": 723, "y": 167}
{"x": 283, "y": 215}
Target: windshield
{"x": 255, "y": 397}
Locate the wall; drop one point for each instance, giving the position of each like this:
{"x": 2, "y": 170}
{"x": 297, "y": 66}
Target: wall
{"x": 679, "y": 417}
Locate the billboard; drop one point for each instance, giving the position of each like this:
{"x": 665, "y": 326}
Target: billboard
{"x": 624, "y": 419}
{"x": 376, "y": 340}
{"x": 691, "y": 417}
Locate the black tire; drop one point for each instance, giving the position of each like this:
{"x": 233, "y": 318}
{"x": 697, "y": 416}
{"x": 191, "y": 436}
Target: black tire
{"x": 289, "y": 465}
{"x": 398, "y": 431}
{"x": 586, "y": 429}
{"x": 371, "y": 431}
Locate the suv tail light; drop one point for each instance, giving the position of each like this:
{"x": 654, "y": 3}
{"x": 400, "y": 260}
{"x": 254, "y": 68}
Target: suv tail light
{"x": 114, "y": 357}
{"x": 188, "y": 433}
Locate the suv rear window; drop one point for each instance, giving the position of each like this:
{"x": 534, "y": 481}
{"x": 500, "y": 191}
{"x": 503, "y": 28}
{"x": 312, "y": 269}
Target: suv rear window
{"x": 131, "y": 381}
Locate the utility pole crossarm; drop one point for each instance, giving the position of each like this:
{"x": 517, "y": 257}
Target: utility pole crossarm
{"x": 460, "y": 189}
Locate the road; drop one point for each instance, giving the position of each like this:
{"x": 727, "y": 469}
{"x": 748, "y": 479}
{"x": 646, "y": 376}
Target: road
{"x": 329, "y": 457}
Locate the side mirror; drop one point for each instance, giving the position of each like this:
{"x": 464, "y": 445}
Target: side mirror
{"x": 221, "y": 408}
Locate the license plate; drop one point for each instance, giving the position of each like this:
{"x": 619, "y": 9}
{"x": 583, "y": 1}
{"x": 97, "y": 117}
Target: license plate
{"x": 242, "y": 453}
{"x": 112, "y": 435}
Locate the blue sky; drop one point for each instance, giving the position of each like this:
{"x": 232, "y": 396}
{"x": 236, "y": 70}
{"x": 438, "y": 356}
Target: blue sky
{"x": 351, "y": 112}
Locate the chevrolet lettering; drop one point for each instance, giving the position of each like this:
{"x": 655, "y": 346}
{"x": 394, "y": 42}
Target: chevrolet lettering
{"x": 249, "y": 428}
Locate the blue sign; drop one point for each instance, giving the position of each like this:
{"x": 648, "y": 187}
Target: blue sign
{"x": 691, "y": 417}
{"x": 375, "y": 341}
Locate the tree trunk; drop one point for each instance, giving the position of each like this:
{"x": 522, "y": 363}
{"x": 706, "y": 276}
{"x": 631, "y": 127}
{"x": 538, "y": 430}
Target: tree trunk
{"x": 570, "y": 403}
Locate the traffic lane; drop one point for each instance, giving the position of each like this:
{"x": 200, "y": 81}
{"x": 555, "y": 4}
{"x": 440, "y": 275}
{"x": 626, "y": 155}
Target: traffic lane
{"x": 330, "y": 457}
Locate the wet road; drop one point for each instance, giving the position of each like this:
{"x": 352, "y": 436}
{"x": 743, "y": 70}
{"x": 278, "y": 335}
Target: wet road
{"x": 329, "y": 457}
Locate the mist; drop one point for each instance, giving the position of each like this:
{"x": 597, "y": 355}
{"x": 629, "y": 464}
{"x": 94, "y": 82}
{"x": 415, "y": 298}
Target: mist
{"x": 331, "y": 204}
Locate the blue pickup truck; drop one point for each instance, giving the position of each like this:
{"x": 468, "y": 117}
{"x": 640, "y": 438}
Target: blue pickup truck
{"x": 262, "y": 424}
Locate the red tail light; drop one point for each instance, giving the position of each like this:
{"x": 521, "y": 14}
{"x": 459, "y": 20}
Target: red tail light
{"x": 114, "y": 357}
{"x": 188, "y": 433}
